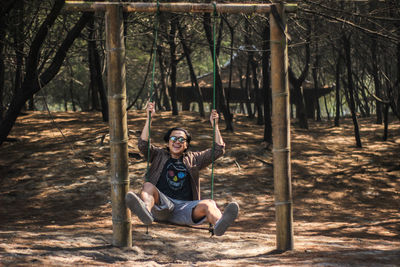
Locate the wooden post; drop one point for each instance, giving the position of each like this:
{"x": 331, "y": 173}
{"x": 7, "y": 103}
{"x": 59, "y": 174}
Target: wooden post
{"x": 121, "y": 217}
{"x": 281, "y": 131}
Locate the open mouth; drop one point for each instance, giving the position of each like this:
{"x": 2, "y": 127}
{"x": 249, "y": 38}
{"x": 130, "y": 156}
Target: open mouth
{"x": 176, "y": 146}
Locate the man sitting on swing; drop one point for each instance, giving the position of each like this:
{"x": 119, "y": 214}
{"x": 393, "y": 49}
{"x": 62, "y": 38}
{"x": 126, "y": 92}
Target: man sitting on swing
{"x": 172, "y": 190}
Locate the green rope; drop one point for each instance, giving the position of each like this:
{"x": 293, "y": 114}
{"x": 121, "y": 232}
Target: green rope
{"x": 152, "y": 86}
{"x": 214, "y": 72}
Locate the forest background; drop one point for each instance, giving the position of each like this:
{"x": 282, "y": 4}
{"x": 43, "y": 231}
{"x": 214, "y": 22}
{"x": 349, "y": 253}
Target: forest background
{"x": 55, "y": 206}
{"x": 54, "y": 58}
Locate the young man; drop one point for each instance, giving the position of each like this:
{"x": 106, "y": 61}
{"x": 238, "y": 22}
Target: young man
{"x": 172, "y": 190}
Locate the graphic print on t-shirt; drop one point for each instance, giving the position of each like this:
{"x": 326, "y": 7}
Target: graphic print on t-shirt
{"x": 176, "y": 175}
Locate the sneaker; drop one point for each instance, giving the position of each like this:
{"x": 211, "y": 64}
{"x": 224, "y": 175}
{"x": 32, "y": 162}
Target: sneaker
{"x": 230, "y": 213}
{"x": 137, "y": 206}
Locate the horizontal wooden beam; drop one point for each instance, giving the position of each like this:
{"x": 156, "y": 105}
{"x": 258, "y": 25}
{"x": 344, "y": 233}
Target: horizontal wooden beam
{"x": 180, "y": 7}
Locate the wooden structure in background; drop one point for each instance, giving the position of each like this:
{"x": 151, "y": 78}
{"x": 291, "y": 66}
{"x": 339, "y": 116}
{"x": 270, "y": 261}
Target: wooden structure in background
{"x": 117, "y": 101}
{"x": 186, "y": 94}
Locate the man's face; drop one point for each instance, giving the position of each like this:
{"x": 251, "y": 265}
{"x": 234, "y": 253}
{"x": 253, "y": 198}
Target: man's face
{"x": 177, "y": 143}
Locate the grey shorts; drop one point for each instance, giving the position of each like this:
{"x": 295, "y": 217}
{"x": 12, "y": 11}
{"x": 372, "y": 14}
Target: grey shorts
{"x": 175, "y": 211}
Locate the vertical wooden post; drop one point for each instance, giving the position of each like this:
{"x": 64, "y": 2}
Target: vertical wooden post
{"x": 121, "y": 217}
{"x": 281, "y": 131}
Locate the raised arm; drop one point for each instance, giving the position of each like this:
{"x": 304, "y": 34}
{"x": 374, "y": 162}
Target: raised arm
{"x": 149, "y": 110}
{"x": 214, "y": 116}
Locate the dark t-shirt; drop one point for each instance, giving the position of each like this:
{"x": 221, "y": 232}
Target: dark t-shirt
{"x": 175, "y": 180}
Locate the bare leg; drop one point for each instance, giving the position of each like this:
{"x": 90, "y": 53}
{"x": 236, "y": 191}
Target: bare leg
{"x": 149, "y": 195}
{"x": 141, "y": 206}
{"x": 207, "y": 208}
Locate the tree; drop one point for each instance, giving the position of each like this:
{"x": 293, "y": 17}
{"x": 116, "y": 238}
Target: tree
{"x": 34, "y": 79}
{"x": 337, "y": 90}
{"x": 193, "y": 78}
{"x": 96, "y": 78}
{"x": 220, "y": 102}
{"x": 5, "y": 9}
{"x": 350, "y": 88}
{"x": 171, "y": 37}
{"x": 297, "y": 83}
{"x": 267, "y": 93}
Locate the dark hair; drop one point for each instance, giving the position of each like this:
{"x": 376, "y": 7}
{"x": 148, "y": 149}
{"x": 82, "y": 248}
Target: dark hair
{"x": 168, "y": 134}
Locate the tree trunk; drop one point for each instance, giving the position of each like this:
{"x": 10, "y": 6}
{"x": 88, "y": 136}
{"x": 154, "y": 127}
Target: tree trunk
{"x": 267, "y": 94}
{"x": 247, "y": 43}
{"x": 247, "y": 90}
{"x": 163, "y": 19}
{"x": 33, "y": 82}
{"x": 398, "y": 78}
{"x": 256, "y": 89}
{"x": 362, "y": 103}
{"x": 93, "y": 92}
{"x": 163, "y": 81}
{"x": 350, "y": 86}
{"x": 71, "y": 89}
{"x": 378, "y": 91}
{"x": 386, "y": 122}
{"x": 18, "y": 33}
{"x": 156, "y": 97}
{"x": 193, "y": 78}
{"x": 374, "y": 62}
{"x": 366, "y": 102}
{"x": 93, "y": 95}
{"x": 316, "y": 86}
{"x": 2, "y": 82}
{"x": 65, "y": 95}
{"x": 221, "y": 105}
{"x": 315, "y": 72}
{"x": 71, "y": 84}
{"x": 96, "y": 77}
{"x": 144, "y": 80}
{"x": 173, "y": 63}
{"x": 327, "y": 109}
{"x": 298, "y": 96}
{"x": 229, "y": 89}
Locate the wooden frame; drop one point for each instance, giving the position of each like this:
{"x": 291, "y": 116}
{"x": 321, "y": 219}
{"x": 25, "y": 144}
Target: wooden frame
{"x": 122, "y": 234}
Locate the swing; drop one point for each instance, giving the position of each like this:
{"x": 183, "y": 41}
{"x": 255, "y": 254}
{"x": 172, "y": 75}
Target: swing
{"x": 117, "y": 93}
{"x": 211, "y": 227}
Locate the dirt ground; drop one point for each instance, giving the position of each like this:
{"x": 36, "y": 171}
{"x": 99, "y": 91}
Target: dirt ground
{"x": 55, "y": 196}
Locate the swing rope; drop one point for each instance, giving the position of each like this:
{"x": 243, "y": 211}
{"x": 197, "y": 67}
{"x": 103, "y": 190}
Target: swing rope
{"x": 214, "y": 72}
{"x": 211, "y": 227}
{"x": 152, "y": 86}
{"x": 151, "y": 93}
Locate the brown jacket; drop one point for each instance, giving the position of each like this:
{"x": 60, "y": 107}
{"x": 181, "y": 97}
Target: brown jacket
{"x": 194, "y": 161}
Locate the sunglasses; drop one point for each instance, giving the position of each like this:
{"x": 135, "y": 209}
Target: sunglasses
{"x": 176, "y": 138}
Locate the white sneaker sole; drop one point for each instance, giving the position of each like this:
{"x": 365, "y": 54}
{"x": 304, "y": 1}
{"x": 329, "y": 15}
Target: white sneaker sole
{"x": 137, "y": 206}
{"x": 230, "y": 214}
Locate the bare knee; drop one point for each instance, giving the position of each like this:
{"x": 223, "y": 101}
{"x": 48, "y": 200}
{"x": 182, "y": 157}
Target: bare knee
{"x": 205, "y": 206}
{"x": 148, "y": 187}
{"x": 149, "y": 190}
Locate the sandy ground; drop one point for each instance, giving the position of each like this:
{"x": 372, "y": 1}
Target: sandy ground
{"x": 55, "y": 196}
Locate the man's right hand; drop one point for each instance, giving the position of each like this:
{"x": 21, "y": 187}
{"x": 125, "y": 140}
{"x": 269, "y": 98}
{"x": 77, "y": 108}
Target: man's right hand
{"x": 150, "y": 109}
